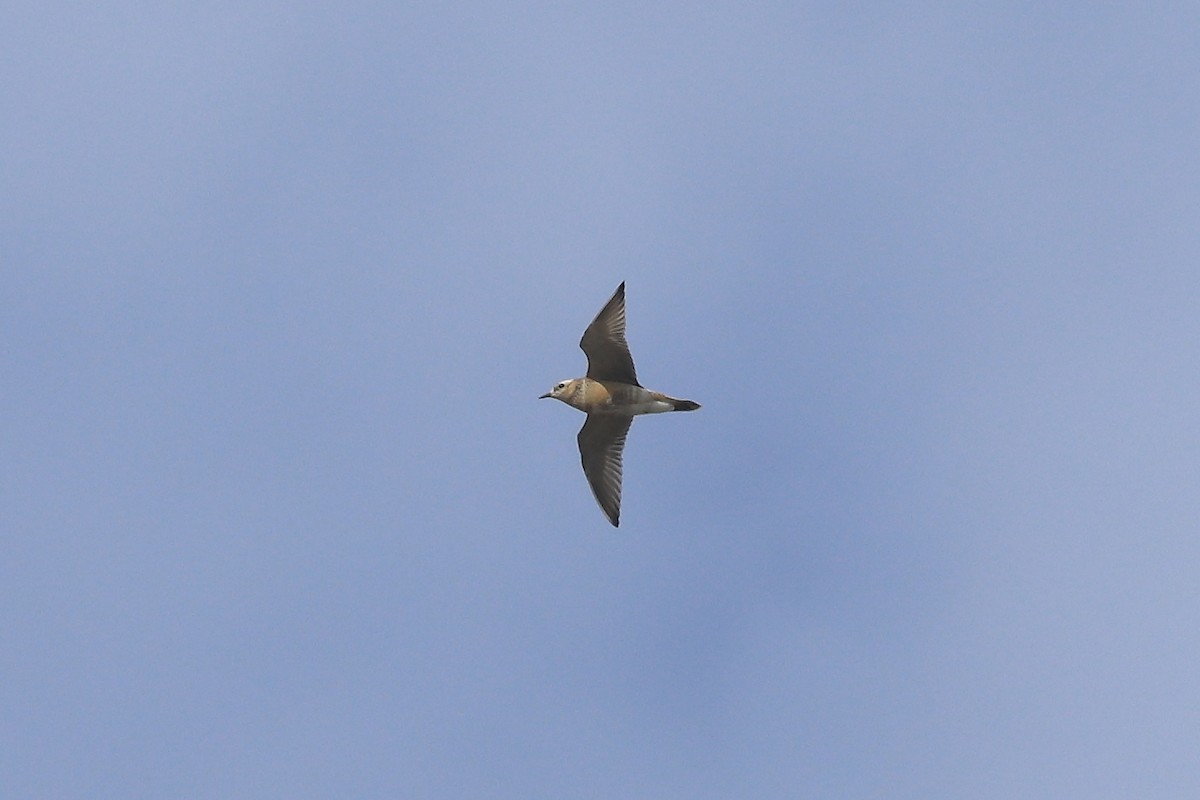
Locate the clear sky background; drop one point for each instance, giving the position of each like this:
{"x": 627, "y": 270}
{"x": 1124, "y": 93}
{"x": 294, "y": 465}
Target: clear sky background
{"x": 283, "y": 518}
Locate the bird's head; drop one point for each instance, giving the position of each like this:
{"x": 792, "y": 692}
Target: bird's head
{"x": 561, "y": 390}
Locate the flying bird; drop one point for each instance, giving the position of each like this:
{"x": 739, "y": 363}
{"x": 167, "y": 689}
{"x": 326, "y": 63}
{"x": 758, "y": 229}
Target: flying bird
{"x": 611, "y": 397}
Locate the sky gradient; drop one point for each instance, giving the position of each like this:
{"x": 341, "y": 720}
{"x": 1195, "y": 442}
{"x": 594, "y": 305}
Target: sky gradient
{"x": 282, "y": 516}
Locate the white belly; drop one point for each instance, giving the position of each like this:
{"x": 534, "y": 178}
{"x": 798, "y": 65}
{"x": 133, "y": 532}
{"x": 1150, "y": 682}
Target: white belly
{"x": 648, "y": 407}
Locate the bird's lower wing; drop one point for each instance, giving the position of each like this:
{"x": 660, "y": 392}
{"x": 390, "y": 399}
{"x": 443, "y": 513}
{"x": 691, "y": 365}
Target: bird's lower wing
{"x": 601, "y": 442}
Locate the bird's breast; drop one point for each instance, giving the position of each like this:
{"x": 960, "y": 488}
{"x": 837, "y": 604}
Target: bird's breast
{"x": 592, "y": 396}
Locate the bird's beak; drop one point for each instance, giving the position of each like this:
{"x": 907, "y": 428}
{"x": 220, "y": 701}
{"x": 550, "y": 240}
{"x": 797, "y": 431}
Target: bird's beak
{"x": 543, "y": 397}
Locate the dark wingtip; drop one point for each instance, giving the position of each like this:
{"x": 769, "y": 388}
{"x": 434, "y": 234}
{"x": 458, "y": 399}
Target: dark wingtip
{"x": 686, "y": 405}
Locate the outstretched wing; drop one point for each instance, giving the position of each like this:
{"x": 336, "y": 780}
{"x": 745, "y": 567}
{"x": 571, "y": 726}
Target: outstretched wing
{"x": 604, "y": 343}
{"x": 601, "y": 441}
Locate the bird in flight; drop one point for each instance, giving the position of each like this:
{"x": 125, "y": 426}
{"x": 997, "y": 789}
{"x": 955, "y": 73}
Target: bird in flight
{"x": 611, "y": 397}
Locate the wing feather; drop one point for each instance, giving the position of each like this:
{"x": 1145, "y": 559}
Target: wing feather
{"x": 604, "y": 343}
{"x": 601, "y": 443}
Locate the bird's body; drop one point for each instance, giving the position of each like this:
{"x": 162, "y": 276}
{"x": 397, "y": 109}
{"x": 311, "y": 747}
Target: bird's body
{"x": 611, "y": 397}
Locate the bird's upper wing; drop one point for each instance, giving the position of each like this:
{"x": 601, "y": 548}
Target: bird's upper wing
{"x": 605, "y": 345}
{"x": 601, "y": 441}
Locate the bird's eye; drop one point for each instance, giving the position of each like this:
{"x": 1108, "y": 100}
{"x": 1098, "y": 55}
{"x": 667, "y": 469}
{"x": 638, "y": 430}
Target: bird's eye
{"x": 561, "y": 385}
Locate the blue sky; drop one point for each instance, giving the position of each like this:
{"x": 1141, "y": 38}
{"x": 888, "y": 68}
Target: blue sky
{"x": 282, "y": 516}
